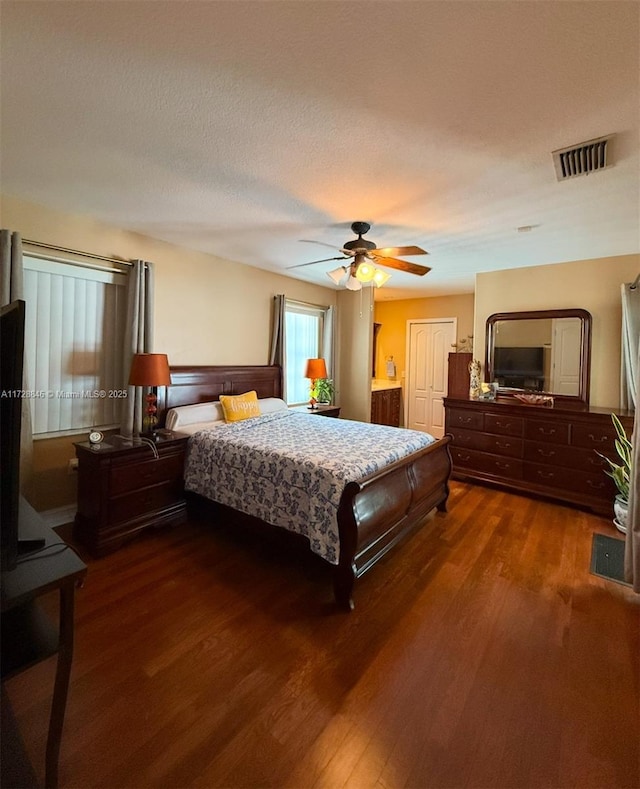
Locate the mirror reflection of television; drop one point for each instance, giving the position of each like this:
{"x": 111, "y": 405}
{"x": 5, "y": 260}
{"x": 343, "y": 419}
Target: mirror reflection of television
{"x": 518, "y": 364}
{"x": 11, "y": 362}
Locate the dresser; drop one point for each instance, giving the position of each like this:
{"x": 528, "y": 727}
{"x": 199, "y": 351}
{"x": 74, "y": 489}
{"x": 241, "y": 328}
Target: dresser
{"x": 535, "y": 449}
{"x": 385, "y": 406}
{"x": 124, "y": 488}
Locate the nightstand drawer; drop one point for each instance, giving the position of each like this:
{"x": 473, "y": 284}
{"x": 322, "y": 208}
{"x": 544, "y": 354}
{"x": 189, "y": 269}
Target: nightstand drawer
{"x": 144, "y": 502}
{"x": 133, "y": 476}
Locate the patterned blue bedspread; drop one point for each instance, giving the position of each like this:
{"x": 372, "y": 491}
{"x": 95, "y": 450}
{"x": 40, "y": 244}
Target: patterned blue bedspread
{"x": 290, "y": 469}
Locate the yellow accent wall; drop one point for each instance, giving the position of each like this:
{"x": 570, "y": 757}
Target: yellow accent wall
{"x": 592, "y": 285}
{"x": 393, "y": 317}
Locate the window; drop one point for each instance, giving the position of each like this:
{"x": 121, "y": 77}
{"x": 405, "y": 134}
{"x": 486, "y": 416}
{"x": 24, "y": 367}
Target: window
{"x": 304, "y": 330}
{"x": 74, "y": 338}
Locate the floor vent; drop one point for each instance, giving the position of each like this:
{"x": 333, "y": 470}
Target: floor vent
{"x": 582, "y": 159}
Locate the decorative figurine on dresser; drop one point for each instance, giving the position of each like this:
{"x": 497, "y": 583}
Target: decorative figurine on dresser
{"x": 546, "y": 443}
{"x": 474, "y": 379}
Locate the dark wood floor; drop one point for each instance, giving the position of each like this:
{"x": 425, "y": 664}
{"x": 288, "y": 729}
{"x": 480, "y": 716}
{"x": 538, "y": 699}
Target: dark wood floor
{"x": 482, "y": 653}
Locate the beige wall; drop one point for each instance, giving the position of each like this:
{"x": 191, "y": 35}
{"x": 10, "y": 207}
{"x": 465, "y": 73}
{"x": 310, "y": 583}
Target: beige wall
{"x": 393, "y": 315}
{"x": 593, "y": 285}
{"x": 356, "y": 327}
{"x": 207, "y": 310}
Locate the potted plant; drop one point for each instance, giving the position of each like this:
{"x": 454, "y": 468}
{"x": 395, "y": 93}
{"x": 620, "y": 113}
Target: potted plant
{"x": 620, "y": 473}
{"x": 324, "y": 389}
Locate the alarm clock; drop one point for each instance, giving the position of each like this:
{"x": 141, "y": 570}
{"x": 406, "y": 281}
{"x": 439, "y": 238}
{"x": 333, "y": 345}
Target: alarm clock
{"x": 96, "y": 437}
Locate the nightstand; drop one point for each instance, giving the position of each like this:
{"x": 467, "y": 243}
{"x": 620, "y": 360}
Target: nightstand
{"x": 319, "y": 410}
{"x": 123, "y": 488}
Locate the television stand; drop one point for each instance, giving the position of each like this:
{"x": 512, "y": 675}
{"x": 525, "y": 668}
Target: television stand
{"x": 28, "y": 636}
{"x": 30, "y": 545}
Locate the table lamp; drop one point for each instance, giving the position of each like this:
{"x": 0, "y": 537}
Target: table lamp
{"x": 152, "y": 370}
{"x": 316, "y": 368}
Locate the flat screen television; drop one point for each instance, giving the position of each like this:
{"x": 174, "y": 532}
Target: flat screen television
{"x": 518, "y": 362}
{"x": 11, "y": 362}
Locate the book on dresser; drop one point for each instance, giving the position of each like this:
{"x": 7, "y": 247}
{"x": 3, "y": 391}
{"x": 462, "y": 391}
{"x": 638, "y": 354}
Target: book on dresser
{"x": 551, "y": 452}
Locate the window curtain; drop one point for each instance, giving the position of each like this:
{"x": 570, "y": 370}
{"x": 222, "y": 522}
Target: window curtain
{"x": 630, "y": 341}
{"x": 276, "y": 356}
{"x": 12, "y": 288}
{"x": 327, "y": 340}
{"x": 138, "y": 338}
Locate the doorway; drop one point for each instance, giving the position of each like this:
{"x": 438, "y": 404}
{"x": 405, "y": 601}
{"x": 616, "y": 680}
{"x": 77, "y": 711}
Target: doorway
{"x": 429, "y": 342}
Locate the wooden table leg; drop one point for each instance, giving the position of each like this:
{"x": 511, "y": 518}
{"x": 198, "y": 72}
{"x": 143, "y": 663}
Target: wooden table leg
{"x": 61, "y": 686}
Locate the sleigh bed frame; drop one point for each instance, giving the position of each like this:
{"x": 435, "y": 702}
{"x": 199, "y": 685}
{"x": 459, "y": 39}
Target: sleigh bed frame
{"x": 375, "y": 512}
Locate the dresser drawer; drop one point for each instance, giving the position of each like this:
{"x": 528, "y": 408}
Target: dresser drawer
{"x": 554, "y": 432}
{"x": 133, "y": 476}
{"x": 489, "y": 464}
{"x": 500, "y": 445}
{"x": 566, "y": 456}
{"x": 600, "y": 437}
{"x": 487, "y": 442}
{"x": 470, "y": 420}
{"x": 145, "y": 502}
{"x": 504, "y": 425}
{"x": 591, "y": 484}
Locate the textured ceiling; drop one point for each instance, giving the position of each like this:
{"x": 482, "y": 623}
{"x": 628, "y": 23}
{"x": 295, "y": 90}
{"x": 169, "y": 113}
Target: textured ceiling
{"x": 251, "y": 129}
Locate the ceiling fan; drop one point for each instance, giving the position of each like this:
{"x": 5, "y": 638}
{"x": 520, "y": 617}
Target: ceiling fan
{"x": 364, "y": 256}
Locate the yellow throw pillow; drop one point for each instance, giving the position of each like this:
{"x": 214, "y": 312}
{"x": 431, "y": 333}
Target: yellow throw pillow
{"x": 238, "y": 407}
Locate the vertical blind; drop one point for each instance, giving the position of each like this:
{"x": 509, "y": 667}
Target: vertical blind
{"x": 304, "y": 331}
{"x": 74, "y": 337}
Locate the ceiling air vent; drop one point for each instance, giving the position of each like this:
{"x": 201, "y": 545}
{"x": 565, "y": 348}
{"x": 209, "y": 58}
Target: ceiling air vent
{"x": 582, "y": 159}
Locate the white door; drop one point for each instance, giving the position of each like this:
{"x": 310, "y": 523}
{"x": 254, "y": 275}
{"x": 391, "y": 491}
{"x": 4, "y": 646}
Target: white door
{"x": 429, "y": 343}
{"x": 565, "y": 356}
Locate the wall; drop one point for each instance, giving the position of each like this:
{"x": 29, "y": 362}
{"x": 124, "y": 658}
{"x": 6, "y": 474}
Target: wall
{"x": 393, "y": 315}
{"x": 593, "y": 285}
{"x": 356, "y": 328}
{"x": 207, "y": 310}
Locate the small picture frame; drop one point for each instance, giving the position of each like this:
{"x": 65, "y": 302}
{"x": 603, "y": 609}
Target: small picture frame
{"x": 489, "y": 391}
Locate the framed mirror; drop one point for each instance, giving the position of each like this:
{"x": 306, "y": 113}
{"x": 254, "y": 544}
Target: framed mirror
{"x": 540, "y": 351}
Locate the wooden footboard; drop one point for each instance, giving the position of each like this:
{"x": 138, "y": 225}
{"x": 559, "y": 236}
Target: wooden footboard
{"x": 379, "y": 510}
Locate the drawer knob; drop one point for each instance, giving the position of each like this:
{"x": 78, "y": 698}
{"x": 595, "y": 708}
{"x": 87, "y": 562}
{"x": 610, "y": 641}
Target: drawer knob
{"x": 545, "y": 474}
{"x": 546, "y": 432}
{"x": 502, "y": 465}
{"x": 598, "y": 439}
{"x": 503, "y": 444}
{"x": 465, "y": 419}
{"x": 464, "y": 457}
{"x": 546, "y": 454}
{"x": 596, "y": 485}
{"x": 505, "y": 425}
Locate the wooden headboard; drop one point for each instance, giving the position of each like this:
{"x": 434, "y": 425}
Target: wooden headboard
{"x": 191, "y": 385}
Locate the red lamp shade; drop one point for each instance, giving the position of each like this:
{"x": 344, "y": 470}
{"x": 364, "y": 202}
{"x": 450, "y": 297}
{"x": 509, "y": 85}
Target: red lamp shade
{"x": 150, "y": 369}
{"x": 316, "y": 368}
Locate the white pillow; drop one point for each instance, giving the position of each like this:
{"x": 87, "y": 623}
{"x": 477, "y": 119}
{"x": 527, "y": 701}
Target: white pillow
{"x": 212, "y": 412}
{"x": 194, "y": 414}
{"x": 270, "y": 405}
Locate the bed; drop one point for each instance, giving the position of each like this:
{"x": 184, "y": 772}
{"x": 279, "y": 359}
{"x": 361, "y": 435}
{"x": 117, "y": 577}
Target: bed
{"x": 373, "y": 511}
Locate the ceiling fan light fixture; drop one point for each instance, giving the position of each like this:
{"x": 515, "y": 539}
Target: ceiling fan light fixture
{"x": 337, "y": 274}
{"x": 353, "y": 283}
{"x": 380, "y": 277}
{"x": 365, "y": 272}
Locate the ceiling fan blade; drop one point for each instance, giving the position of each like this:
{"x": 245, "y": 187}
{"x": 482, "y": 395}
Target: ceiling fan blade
{"x": 313, "y": 262}
{"x": 322, "y": 243}
{"x": 392, "y": 252}
{"x": 401, "y": 265}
